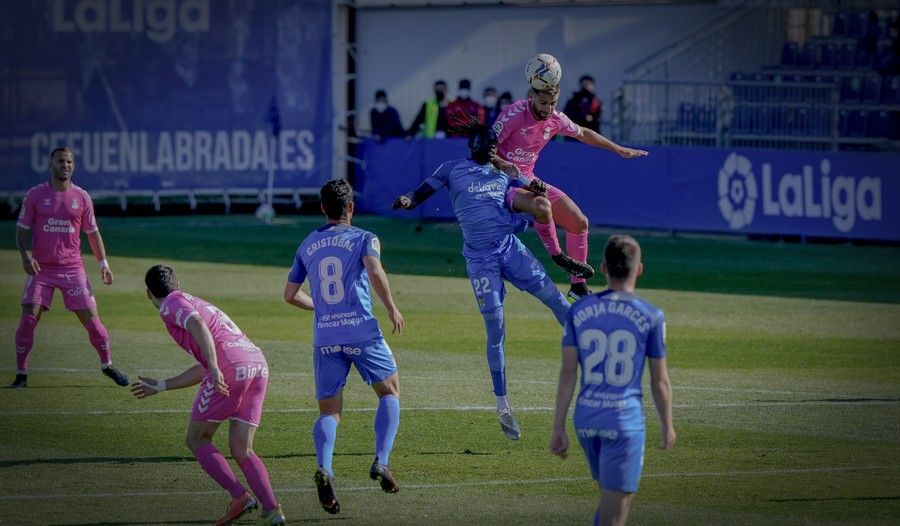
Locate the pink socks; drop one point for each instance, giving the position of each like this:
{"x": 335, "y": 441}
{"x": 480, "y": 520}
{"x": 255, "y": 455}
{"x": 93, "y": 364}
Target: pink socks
{"x": 24, "y": 341}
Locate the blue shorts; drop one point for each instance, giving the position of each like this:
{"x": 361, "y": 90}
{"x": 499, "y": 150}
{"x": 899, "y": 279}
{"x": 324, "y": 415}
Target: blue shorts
{"x": 616, "y": 458}
{"x": 513, "y": 262}
{"x": 331, "y": 364}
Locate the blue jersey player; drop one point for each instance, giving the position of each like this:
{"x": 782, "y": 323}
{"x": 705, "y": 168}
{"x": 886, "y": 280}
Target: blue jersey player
{"x": 609, "y": 335}
{"x": 477, "y": 187}
{"x": 339, "y": 261}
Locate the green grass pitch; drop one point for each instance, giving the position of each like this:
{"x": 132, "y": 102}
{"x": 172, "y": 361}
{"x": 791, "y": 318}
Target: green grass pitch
{"x": 785, "y": 362}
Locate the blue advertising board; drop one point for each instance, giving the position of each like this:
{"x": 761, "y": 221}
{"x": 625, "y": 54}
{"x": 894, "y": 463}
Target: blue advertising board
{"x": 850, "y": 195}
{"x": 166, "y": 94}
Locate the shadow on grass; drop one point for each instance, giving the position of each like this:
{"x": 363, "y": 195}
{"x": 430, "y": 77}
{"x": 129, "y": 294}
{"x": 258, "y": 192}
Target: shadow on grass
{"x": 828, "y": 499}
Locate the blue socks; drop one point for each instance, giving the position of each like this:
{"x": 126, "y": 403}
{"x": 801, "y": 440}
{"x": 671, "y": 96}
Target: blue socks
{"x": 494, "y": 325}
{"x": 554, "y": 299}
{"x": 387, "y": 419}
{"x": 324, "y": 432}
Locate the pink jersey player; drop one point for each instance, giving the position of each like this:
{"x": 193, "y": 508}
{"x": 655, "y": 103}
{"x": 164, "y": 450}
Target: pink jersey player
{"x": 523, "y": 129}
{"x": 48, "y": 236}
{"x": 233, "y": 376}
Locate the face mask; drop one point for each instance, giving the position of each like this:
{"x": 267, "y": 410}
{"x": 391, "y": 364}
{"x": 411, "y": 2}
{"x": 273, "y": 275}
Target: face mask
{"x": 464, "y": 94}
{"x": 380, "y": 107}
{"x": 490, "y": 101}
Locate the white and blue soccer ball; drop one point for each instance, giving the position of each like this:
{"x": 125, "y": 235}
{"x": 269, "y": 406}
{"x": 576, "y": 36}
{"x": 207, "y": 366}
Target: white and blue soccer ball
{"x": 543, "y": 72}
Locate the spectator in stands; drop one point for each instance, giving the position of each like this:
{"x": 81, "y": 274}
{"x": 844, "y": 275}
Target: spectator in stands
{"x": 463, "y": 111}
{"x": 584, "y": 107}
{"x": 506, "y": 99}
{"x": 431, "y": 121}
{"x": 491, "y": 105}
{"x": 384, "y": 119}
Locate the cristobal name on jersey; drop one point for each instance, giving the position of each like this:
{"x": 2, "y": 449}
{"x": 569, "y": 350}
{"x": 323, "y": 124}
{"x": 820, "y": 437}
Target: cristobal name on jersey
{"x": 333, "y": 241}
{"x": 613, "y": 307}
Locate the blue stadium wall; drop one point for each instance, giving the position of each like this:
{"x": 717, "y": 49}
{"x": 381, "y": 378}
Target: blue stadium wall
{"x": 744, "y": 191}
{"x": 162, "y": 94}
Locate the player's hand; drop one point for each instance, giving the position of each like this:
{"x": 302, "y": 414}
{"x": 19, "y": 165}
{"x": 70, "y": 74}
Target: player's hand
{"x": 31, "y": 266}
{"x": 218, "y": 380}
{"x": 397, "y": 320}
{"x": 631, "y": 153}
{"x": 559, "y": 443}
{"x": 145, "y": 387}
{"x": 668, "y": 439}
{"x": 403, "y": 202}
{"x": 538, "y": 187}
{"x": 106, "y": 275}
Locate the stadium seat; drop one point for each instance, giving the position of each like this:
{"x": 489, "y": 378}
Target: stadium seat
{"x": 863, "y": 59}
{"x": 871, "y": 89}
{"x": 851, "y": 88}
{"x": 820, "y": 122}
{"x": 684, "y": 120}
{"x": 839, "y": 25}
{"x": 894, "y": 125}
{"x": 801, "y": 124}
{"x": 877, "y": 125}
{"x": 856, "y": 26}
{"x": 808, "y": 56}
{"x": 846, "y": 56}
{"x": 790, "y": 53}
{"x": 890, "y": 90}
{"x": 857, "y": 125}
{"x": 827, "y": 56}
{"x": 742, "y": 120}
{"x": 707, "y": 118}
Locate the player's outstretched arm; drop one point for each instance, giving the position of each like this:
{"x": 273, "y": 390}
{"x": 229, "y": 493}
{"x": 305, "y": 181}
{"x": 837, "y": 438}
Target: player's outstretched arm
{"x": 592, "y": 138}
{"x": 99, "y": 250}
{"x": 296, "y": 297}
{"x": 198, "y": 329}
{"x": 662, "y": 398}
{"x": 559, "y": 439}
{"x": 23, "y": 243}
{"x": 383, "y": 290}
{"x": 150, "y": 386}
{"x": 410, "y": 201}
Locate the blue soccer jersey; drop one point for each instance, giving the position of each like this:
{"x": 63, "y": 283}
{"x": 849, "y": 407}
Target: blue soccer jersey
{"x": 614, "y": 333}
{"x": 478, "y": 193}
{"x": 332, "y": 257}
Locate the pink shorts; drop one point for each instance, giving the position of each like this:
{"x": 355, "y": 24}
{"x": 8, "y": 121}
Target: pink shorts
{"x": 554, "y": 194}
{"x": 72, "y": 283}
{"x": 246, "y": 392}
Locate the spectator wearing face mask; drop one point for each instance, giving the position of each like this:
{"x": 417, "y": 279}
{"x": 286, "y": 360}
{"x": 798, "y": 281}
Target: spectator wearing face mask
{"x": 584, "y": 107}
{"x": 431, "y": 121}
{"x": 491, "y": 105}
{"x": 384, "y": 119}
{"x": 463, "y": 112}
{"x": 506, "y": 99}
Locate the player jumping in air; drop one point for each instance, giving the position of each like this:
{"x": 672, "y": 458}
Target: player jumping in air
{"x": 340, "y": 261}
{"x": 523, "y": 129}
{"x": 56, "y": 212}
{"x": 233, "y": 375}
{"x": 609, "y": 335}
{"x": 477, "y": 189}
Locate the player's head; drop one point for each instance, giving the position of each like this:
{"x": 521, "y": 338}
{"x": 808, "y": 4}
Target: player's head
{"x": 482, "y": 144}
{"x": 337, "y": 200}
{"x": 62, "y": 163}
{"x": 622, "y": 260}
{"x": 543, "y": 102}
{"x": 160, "y": 281}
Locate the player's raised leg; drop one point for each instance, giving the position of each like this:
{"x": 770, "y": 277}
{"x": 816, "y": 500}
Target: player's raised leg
{"x": 387, "y": 421}
{"x": 577, "y": 228}
{"x": 211, "y": 460}
{"x": 240, "y": 438}
{"x": 99, "y": 338}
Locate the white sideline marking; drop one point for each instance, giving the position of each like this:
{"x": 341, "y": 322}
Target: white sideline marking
{"x": 535, "y": 409}
{"x": 422, "y": 486}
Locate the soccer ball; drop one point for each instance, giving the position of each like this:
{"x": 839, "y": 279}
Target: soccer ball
{"x": 543, "y": 72}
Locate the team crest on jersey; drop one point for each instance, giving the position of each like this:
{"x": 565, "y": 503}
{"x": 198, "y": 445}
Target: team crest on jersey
{"x": 47, "y": 202}
{"x": 376, "y": 245}
{"x": 74, "y": 204}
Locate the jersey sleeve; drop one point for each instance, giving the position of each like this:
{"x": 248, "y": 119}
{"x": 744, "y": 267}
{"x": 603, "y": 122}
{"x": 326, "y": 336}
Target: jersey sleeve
{"x": 177, "y": 311}
{"x": 440, "y": 177}
{"x": 504, "y": 125}
{"x": 26, "y": 214}
{"x": 656, "y": 340}
{"x": 373, "y": 246}
{"x": 569, "y": 337}
{"x": 88, "y": 221}
{"x": 298, "y": 270}
{"x": 566, "y": 126}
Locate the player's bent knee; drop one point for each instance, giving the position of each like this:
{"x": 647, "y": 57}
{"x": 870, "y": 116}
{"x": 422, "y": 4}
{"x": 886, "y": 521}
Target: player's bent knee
{"x": 543, "y": 210}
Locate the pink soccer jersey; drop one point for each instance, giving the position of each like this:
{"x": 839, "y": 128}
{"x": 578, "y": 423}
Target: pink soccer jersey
{"x": 56, "y": 220}
{"x": 232, "y": 346}
{"x": 521, "y": 136}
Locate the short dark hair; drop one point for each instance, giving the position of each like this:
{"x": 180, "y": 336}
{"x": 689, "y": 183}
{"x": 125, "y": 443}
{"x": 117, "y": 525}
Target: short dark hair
{"x": 336, "y": 196}
{"x": 440, "y": 83}
{"x": 465, "y": 84}
{"x": 161, "y": 281}
{"x": 60, "y": 150}
{"x": 380, "y": 93}
{"x": 584, "y": 78}
{"x": 622, "y": 256}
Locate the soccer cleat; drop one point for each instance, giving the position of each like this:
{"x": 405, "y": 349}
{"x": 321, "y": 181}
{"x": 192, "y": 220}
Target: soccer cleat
{"x": 577, "y": 291}
{"x": 117, "y": 376}
{"x": 20, "y": 382}
{"x": 275, "y": 516}
{"x": 381, "y": 471}
{"x": 324, "y": 486}
{"x": 579, "y": 269}
{"x": 237, "y": 508}
{"x": 509, "y": 424}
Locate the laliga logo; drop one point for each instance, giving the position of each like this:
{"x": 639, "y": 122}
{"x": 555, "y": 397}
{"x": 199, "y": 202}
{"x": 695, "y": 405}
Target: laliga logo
{"x": 841, "y": 199}
{"x": 737, "y": 191}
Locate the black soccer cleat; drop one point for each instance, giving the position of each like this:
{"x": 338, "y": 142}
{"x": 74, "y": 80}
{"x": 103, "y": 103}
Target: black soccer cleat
{"x": 324, "y": 486}
{"x": 20, "y": 382}
{"x": 579, "y": 269}
{"x": 577, "y": 291}
{"x": 381, "y": 473}
{"x": 117, "y": 376}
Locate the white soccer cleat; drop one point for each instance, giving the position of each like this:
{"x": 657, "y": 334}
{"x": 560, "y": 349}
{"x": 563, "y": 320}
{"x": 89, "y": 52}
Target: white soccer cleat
{"x": 509, "y": 424}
